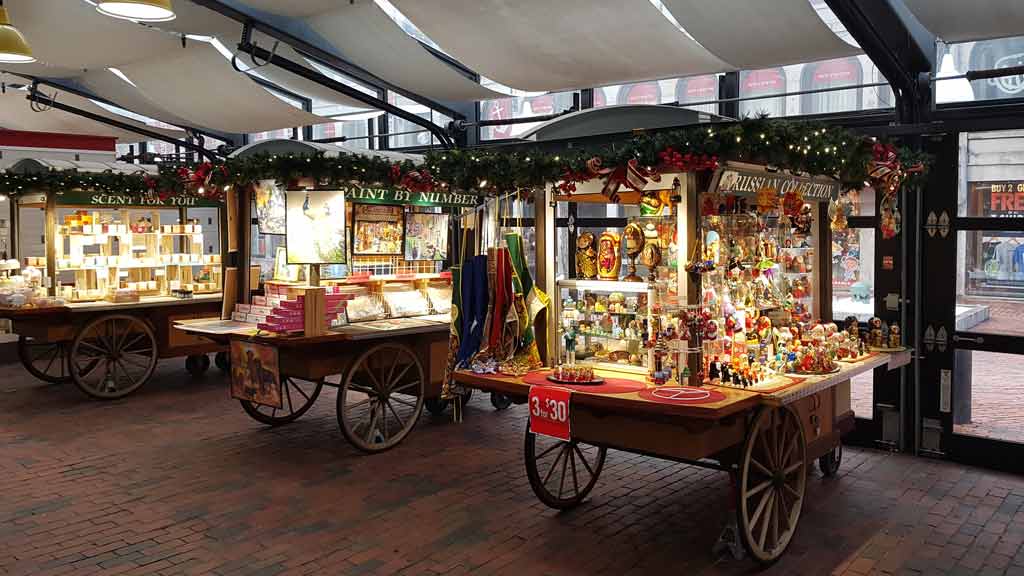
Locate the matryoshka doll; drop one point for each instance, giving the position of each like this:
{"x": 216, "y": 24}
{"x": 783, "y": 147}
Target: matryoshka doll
{"x": 608, "y": 259}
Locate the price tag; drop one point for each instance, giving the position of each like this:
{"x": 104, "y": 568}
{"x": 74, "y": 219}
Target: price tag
{"x": 549, "y": 411}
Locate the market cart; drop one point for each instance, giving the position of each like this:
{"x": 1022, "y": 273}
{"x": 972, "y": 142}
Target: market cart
{"x": 766, "y": 441}
{"x": 385, "y": 372}
{"x": 95, "y": 302}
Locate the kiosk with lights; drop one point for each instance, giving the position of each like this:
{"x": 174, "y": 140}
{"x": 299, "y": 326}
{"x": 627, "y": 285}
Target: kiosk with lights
{"x": 697, "y": 328}
{"x": 354, "y": 292}
{"x": 97, "y": 280}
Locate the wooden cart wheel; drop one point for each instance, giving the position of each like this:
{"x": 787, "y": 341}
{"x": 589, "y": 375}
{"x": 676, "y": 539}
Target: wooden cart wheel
{"x": 113, "y": 356}
{"x": 381, "y": 397}
{"x": 829, "y": 463}
{"x": 772, "y": 479}
{"x": 47, "y": 361}
{"x": 438, "y": 406}
{"x": 500, "y": 401}
{"x": 223, "y": 361}
{"x": 297, "y": 397}
{"x": 561, "y": 473}
{"x": 197, "y": 364}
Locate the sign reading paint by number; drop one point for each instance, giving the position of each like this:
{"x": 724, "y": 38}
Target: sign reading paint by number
{"x": 549, "y": 411}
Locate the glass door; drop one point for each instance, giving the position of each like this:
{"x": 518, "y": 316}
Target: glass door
{"x": 974, "y": 336}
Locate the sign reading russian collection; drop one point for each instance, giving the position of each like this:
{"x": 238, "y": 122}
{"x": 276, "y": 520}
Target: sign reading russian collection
{"x": 741, "y": 181}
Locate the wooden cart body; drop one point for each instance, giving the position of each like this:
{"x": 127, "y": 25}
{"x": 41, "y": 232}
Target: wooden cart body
{"x": 723, "y": 435}
{"x": 49, "y": 337}
{"x": 407, "y": 356}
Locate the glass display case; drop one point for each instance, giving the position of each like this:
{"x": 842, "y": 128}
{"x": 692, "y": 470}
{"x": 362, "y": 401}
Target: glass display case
{"x": 604, "y": 323}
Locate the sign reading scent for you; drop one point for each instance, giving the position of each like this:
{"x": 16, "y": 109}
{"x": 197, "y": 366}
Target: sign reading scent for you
{"x": 549, "y": 411}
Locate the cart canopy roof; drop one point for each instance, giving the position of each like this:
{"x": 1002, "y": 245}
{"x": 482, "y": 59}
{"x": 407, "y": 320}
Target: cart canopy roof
{"x": 40, "y": 165}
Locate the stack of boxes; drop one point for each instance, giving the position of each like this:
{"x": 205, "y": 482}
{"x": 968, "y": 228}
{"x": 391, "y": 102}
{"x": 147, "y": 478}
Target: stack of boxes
{"x": 291, "y": 309}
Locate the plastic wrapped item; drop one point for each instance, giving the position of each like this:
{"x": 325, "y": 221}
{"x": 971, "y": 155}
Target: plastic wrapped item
{"x": 364, "y": 305}
{"x": 440, "y": 294}
{"x": 403, "y": 299}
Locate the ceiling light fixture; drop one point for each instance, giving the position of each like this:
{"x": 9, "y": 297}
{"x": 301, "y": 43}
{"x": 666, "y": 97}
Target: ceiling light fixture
{"x": 137, "y": 10}
{"x": 14, "y": 48}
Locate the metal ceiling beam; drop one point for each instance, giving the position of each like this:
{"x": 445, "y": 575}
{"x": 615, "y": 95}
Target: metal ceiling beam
{"x": 51, "y": 102}
{"x": 231, "y": 139}
{"x": 901, "y": 48}
{"x": 328, "y": 58}
{"x": 263, "y": 55}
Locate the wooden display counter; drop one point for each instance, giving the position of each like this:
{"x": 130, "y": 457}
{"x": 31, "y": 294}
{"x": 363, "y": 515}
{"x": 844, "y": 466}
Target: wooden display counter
{"x": 386, "y": 371}
{"x": 109, "y": 350}
{"x": 765, "y": 440}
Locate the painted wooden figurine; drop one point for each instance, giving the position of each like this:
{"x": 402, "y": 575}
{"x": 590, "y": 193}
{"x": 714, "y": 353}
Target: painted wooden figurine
{"x": 608, "y": 258}
{"x": 876, "y": 337}
{"x": 894, "y": 335}
{"x": 586, "y": 256}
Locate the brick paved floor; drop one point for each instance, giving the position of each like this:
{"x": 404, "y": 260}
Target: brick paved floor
{"x": 177, "y": 480}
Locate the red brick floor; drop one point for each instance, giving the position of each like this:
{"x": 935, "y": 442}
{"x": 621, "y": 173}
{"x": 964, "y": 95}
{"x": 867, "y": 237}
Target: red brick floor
{"x": 178, "y": 480}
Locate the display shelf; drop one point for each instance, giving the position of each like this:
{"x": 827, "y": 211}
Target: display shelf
{"x": 605, "y": 286}
{"x": 607, "y": 337}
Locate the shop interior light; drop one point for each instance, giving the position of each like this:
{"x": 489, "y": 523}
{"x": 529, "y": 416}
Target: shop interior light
{"x": 137, "y": 10}
{"x": 14, "y": 48}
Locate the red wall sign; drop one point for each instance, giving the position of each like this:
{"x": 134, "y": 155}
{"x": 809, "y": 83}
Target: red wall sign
{"x": 549, "y": 411}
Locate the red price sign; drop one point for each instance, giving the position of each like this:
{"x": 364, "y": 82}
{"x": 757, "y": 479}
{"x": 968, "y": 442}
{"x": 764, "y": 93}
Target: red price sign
{"x": 549, "y": 411}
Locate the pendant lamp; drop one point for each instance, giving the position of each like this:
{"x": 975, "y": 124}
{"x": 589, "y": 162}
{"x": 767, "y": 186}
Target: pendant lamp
{"x": 13, "y": 46}
{"x": 137, "y": 10}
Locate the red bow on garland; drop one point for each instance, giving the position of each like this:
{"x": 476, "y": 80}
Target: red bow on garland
{"x": 887, "y": 168}
{"x": 418, "y": 181}
{"x": 632, "y": 175}
{"x": 673, "y": 160}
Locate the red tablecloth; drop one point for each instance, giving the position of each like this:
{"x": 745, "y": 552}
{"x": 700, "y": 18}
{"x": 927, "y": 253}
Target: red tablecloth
{"x": 682, "y": 395}
{"x": 610, "y": 385}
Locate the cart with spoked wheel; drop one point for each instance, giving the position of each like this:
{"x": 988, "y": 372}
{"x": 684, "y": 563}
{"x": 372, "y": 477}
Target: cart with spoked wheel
{"x": 385, "y": 373}
{"x": 765, "y": 441}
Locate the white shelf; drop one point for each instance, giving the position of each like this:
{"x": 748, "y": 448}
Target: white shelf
{"x": 605, "y": 286}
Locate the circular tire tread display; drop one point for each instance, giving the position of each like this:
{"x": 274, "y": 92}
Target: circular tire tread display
{"x": 223, "y": 361}
{"x": 47, "y": 361}
{"x": 561, "y": 473}
{"x": 500, "y": 401}
{"x": 197, "y": 364}
{"x": 112, "y": 356}
{"x": 297, "y": 397}
{"x": 772, "y": 481}
{"x": 381, "y": 397}
{"x": 829, "y": 463}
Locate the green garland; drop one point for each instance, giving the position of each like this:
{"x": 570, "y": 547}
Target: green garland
{"x": 804, "y": 147}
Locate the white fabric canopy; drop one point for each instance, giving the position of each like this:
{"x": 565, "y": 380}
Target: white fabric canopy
{"x": 363, "y": 34}
{"x": 959, "y": 20}
{"x": 759, "y": 34}
{"x": 71, "y": 34}
{"x": 540, "y": 45}
{"x": 199, "y": 84}
{"x": 16, "y": 114}
{"x": 108, "y": 86}
{"x": 298, "y": 84}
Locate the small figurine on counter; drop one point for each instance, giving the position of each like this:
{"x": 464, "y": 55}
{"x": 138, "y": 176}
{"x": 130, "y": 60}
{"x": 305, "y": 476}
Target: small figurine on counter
{"x": 852, "y": 326}
{"x": 875, "y": 336}
{"x": 894, "y": 335}
{"x": 714, "y": 372}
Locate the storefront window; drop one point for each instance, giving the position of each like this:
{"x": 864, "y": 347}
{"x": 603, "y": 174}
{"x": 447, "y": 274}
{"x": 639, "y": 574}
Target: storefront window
{"x": 520, "y": 107}
{"x": 681, "y": 90}
{"x": 853, "y": 71}
{"x": 419, "y": 136}
{"x": 958, "y": 58}
{"x": 763, "y": 83}
{"x": 990, "y": 280}
{"x": 357, "y": 129}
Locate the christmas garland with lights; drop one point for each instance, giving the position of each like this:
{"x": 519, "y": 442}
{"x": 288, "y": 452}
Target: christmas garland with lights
{"x": 801, "y": 147}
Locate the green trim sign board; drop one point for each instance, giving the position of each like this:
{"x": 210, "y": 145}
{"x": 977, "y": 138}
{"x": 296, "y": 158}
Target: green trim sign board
{"x": 367, "y": 195}
{"x": 750, "y": 181}
{"x": 109, "y": 200}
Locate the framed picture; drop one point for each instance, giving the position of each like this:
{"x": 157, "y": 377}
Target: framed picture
{"x": 282, "y": 269}
{"x": 270, "y": 207}
{"x": 426, "y": 236}
{"x": 377, "y": 230}
{"x": 315, "y": 226}
{"x": 255, "y": 374}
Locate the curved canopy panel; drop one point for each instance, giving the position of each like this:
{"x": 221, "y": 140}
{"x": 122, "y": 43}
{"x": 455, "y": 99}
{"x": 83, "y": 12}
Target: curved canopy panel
{"x": 958, "y": 21}
{"x": 363, "y": 34}
{"x": 41, "y": 165}
{"x": 616, "y": 119}
{"x": 93, "y": 108}
{"x": 16, "y": 114}
{"x": 279, "y": 146}
{"x": 536, "y": 45}
{"x": 298, "y": 84}
{"x": 198, "y": 83}
{"x": 752, "y": 35}
{"x": 74, "y": 35}
{"x": 108, "y": 86}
